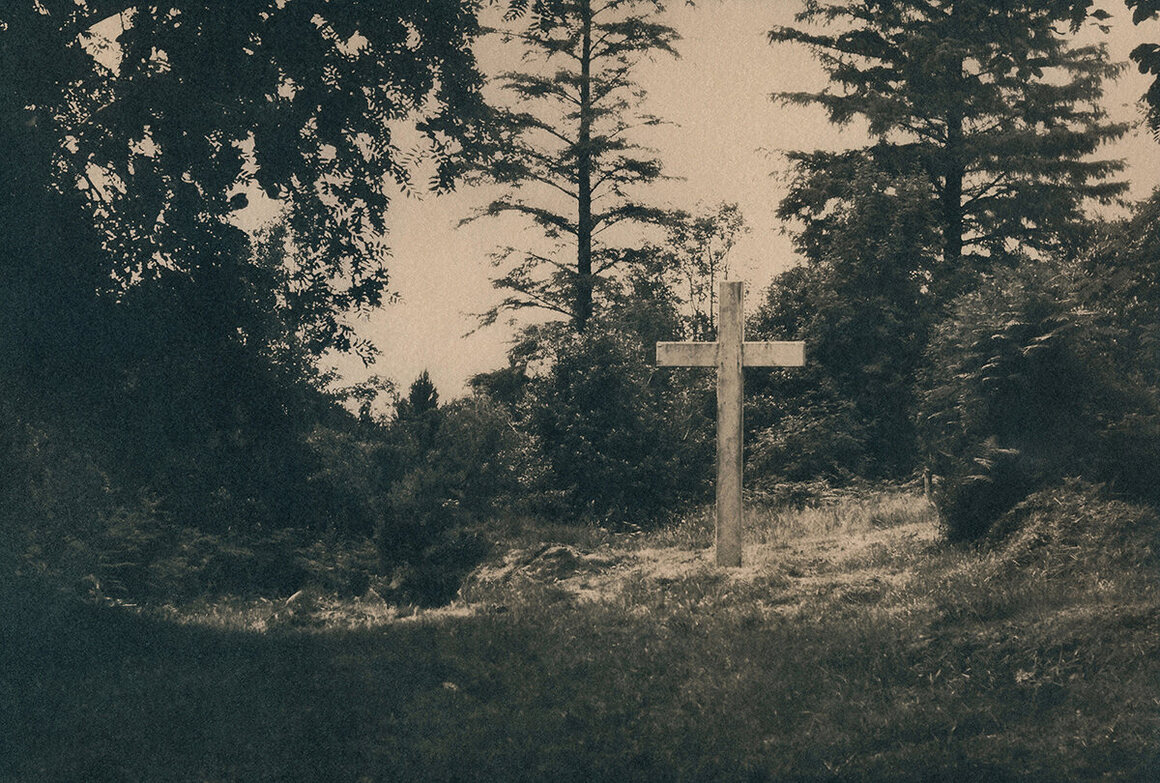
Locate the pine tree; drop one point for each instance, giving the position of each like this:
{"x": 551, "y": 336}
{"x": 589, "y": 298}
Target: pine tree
{"x": 565, "y": 148}
{"x": 416, "y": 425}
{"x": 988, "y": 100}
{"x": 422, "y": 398}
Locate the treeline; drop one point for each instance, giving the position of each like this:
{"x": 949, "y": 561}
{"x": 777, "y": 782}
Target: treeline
{"x": 167, "y": 431}
{"x": 967, "y": 317}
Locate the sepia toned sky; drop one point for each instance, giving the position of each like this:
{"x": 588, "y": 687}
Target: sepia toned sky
{"x": 722, "y": 145}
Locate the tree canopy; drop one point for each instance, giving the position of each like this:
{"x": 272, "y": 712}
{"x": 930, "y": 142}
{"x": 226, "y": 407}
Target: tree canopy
{"x": 165, "y": 116}
{"x": 1147, "y": 59}
{"x": 156, "y": 355}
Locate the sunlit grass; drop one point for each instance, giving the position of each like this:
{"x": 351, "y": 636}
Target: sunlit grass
{"x": 848, "y": 515}
{"x": 774, "y": 524}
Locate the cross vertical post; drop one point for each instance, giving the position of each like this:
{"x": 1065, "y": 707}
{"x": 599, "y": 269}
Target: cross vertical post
{"x": 730, "y": 390}
{"x": 729, "y": 354}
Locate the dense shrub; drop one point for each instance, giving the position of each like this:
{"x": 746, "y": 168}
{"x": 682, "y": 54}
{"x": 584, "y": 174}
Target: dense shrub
{"x": 1050, "y": 369}
{"x": 55, "y": 495}
{"x": 475, "y": 463}
{"x": 1021, "y": 387}
{"x": 466, "y": 463}
{"x": 861, "y": 308}
{"x": 979, "y": 491}
{"x": 70, "y": 521}
{"x": 623, "y": 441}
{"x": 1119, "y": 287}
{"x": 1075, "y": 528}
{"x": 349, "y": 477}
{"x": 816, "y": 439}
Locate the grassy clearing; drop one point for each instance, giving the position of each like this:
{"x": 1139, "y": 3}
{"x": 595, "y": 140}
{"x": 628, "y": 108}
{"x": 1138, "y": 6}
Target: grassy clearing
{"x": 853, "y": 646}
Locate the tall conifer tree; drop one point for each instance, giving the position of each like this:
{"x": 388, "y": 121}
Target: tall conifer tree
{"x": 989, "y": 100}
{"x": 565, "y": 146}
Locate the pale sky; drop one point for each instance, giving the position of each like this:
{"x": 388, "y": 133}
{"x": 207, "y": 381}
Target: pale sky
{"x": 717, "y": 94}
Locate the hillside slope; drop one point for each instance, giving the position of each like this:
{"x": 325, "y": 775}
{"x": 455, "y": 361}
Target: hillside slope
{"x": 853, "y": 645}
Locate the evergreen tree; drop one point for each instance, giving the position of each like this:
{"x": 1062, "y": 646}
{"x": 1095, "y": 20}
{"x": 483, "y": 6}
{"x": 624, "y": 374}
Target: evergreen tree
{"x": 417, "y": 419}
{"x": 989, "y": 100}
{"x": 619, "y": 442}
{"x": 565, "y": 148}
{"x": 422, "y": 398}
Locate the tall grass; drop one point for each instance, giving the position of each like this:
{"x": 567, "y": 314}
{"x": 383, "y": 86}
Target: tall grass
{"x": 771, "y": 523}
{"x": 848, "y": 515}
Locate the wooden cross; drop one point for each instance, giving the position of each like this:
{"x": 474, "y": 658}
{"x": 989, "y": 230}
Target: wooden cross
{"x": 729, "y": 354}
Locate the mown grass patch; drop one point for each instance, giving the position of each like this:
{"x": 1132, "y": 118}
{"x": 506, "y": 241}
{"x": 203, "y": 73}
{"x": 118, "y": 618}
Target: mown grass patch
{"x": 974, "y": 667}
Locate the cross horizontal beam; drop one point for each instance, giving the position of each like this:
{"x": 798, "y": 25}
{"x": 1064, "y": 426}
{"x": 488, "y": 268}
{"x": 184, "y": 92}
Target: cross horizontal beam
{"x": 778, "y": 353}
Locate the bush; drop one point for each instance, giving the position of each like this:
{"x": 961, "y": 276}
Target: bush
{"x": 975, "y": 495}
{"x": 824, "y": 441}
{"x": 1021, "y": 387}
{"x": 348, "y": 480}
{"x": 1118, "y": 286}
{"x": 862, "y": 304}
{"x": 67, "y": 522}
{"x": 624, "y": 442}
{"x": 434, "y": 578}
{"x": 475, "y": 464}
{"x": 55, "y": 499}
{"x": 1075, "y": 528}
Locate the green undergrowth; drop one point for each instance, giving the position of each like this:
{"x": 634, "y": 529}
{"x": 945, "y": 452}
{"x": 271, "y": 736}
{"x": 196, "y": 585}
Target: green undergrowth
{"x": 865, "y": 649}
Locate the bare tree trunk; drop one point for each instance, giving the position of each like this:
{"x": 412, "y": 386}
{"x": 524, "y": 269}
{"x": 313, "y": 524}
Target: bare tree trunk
{"x": 953, "y": 197}
{"x": 584, "y": 282}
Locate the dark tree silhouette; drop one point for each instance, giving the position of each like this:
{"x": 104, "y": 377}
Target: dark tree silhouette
{"x": 1147, "y": 59}
{"x": 422, "y": 398}
{"x": 566, "y": 149}
{"x": 165, "y": 115}
{"x": 989, "y": 100}
{"x": 140, "y": 328}
{"x": 861, "y": 312}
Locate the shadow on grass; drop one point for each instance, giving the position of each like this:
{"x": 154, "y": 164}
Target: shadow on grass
{"x": 96, "y": 693}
